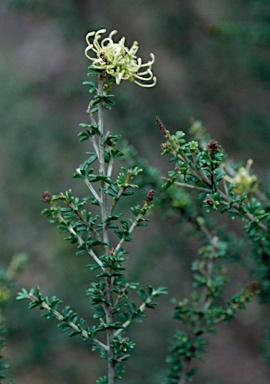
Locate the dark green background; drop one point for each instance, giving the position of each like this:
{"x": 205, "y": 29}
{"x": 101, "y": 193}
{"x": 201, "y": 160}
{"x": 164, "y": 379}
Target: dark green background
{"x": 208, "y": 69}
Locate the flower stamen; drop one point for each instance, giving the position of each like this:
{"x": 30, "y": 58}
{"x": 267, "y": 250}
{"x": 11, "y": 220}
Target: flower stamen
{"x": 118, "y": 61}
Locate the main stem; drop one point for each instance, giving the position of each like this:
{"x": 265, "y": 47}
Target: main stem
{"x": 104, "y": 215}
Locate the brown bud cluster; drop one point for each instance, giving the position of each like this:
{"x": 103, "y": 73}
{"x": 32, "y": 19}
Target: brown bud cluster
{"x": 150, "y": 195}
{"x": 46, "y": 197}
{"x": 210, "y": 201}
{"x": 213, "y": 147}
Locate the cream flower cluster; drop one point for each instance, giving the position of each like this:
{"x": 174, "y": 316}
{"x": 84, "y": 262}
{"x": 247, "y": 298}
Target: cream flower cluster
{"x": 244, "y": 181}
{"x": 117, "y": 60}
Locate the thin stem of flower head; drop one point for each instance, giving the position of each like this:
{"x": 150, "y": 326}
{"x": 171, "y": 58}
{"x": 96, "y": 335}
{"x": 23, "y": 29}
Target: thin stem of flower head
{"x": 101, "y": 127}
{"x": 102, "y": 169}
{"x": 108, "y": 309}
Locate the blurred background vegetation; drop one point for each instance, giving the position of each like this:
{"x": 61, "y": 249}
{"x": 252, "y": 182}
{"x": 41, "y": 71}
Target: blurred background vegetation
{"x": 213, "y": 64}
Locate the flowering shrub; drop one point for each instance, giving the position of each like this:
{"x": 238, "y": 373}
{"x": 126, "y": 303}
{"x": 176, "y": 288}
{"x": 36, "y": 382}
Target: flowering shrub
{"x": 201, "y": 180}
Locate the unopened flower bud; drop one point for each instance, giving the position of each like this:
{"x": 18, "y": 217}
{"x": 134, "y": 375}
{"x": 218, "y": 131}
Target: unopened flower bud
{"x": 210, "y": 201}
{"x": 150, "y": 195}
{"x": 161, "y": 126}
{"x": 46, "y": 197}
{"x": 213, "y": 147}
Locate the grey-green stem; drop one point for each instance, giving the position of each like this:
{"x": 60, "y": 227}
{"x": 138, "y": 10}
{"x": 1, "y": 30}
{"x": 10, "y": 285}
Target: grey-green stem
{"x": 104, "y": 215}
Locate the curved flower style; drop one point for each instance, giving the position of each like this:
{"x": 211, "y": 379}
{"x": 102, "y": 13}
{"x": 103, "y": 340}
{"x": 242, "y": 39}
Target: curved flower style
{"x": 119, "y": 61}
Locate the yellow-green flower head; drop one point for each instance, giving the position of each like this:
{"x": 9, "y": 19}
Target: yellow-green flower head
{"x": 244, "y": 181}
{"x": 119, "y": 61}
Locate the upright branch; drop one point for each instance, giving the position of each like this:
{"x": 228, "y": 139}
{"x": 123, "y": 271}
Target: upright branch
{"x": 112, "y": 62}
{"x": 104, "y": 209}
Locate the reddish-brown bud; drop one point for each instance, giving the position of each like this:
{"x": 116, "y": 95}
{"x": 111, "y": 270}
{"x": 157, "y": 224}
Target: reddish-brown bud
{"x": 210, "y": 201}
{"x": 213, "y": 147}
{"x": 150, "y": 195}
{"x": 46, "y": 197}
{"x": 161, "y": 126}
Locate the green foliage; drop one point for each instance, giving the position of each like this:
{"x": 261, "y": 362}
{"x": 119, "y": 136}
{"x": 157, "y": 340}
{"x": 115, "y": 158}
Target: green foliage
{"x": 7, "y": 277}
{"x": 205, "y": 308}
{"x": 3, "y": 362}
{"x": 202, "y": 182}
{"x": 214, "y": 183}
{"x": 113, "y": 309}
{"x": 223, "y": 188}
{"x": 220, "y": 187}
